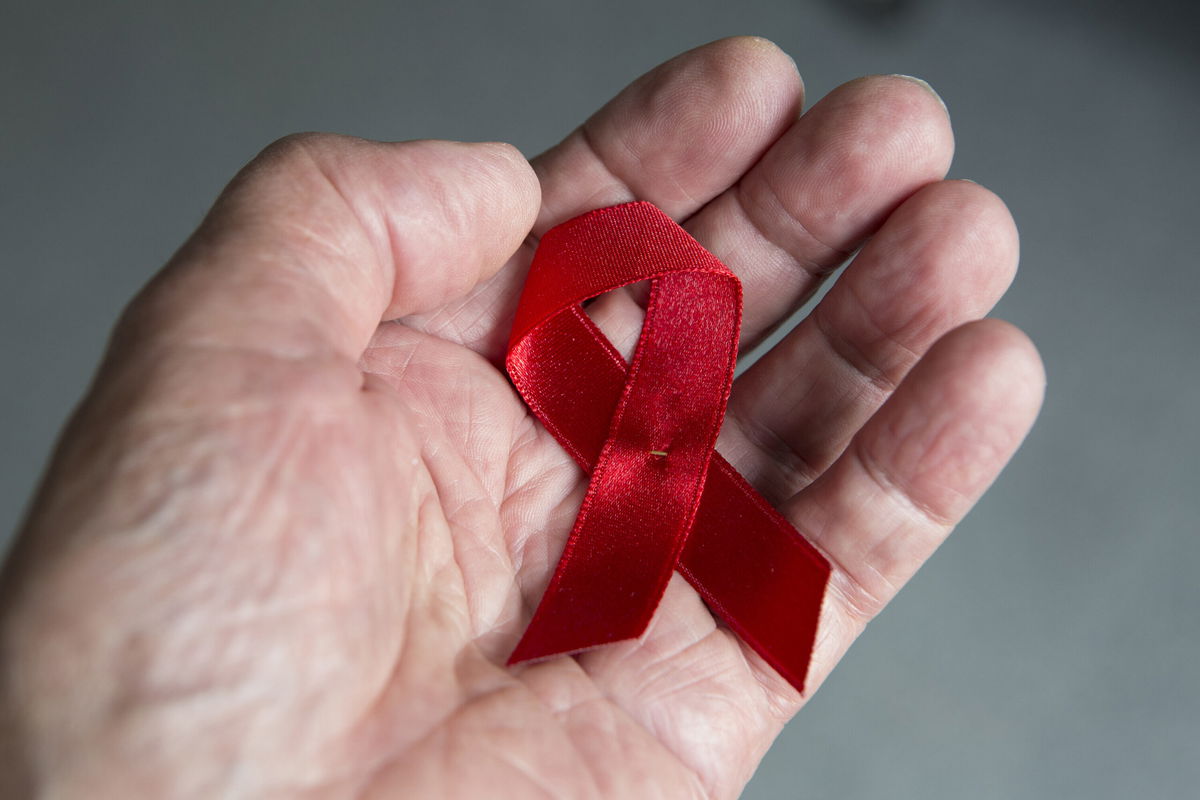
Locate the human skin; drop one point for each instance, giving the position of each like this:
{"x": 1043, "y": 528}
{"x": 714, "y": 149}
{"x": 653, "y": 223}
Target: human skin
{"x": 301, "y": 518}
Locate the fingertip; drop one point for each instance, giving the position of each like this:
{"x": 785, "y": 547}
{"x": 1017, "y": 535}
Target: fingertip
{"x": 994, "y": 365}
{"x": 915, "y": 111}
{"x": 924, "y": 84}
{"x": 993, "y": 336}
{"x": 970, "y": 226}
{"x": 1021, "y": 358}
{"x": 990, "y": 210}
{"x": 915, "y": 90}
{"x": 759, "y": 56}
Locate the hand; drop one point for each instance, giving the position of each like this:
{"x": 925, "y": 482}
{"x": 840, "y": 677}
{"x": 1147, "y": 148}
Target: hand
{"x": 284, "y": 548}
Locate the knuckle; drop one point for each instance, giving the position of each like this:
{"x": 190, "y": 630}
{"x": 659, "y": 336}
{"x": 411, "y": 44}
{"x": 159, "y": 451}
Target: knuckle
{"x": 295, "y": 149}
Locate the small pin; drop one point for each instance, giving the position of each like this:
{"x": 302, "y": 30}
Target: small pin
{"x": 658, "y": 452}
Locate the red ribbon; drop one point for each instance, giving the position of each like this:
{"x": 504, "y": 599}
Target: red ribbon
{"x": 660, "y": 499}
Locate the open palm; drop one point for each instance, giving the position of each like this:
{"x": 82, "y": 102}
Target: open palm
{"x": 285, "y": 550}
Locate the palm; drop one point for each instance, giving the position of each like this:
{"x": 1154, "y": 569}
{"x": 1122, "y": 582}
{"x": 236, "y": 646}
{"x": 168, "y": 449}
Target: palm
{"x": 685, "y": 706}
{"x": 392, "y": 511}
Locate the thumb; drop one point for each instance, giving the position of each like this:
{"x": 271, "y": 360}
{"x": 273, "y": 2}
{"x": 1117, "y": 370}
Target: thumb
{"x": 322, "y": 237}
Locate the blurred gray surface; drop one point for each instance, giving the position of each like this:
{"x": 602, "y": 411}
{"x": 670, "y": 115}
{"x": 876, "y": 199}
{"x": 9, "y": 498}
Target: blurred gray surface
{"x": 1051, "y": 648}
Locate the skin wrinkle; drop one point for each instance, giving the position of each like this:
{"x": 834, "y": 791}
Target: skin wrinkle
{"x": 488, "y": 332}
{"x": 871, "y": 561}
{"x": 242, "y": 409}
{"x": 704, "y": 677}
{"x": 531, "y": 584}
{"x": 522, "y": 536}
{"x": 491, "y": 389}
{"x": 594, "y": 773}
{"x": 471, "y": 597}
{"x": 304, "y": 146}
{"x": 307, "y": 337}
{"x": 780, "y": 697}
{"x": 455, "y": 215}
{"x": 469, "y": 706}
{"x": 863, "y": 603}
{"x": 565, "y": 718}
{"x": 436, "y": 729}
{"x": 568, "y": 498}
{"x": 359, "y": 728}
{"x": 526, "y": 435}
{"x": 302, "y": 275}
{"x": 452, "y": 321}
{"x": 817, "y": 267}
{"x": 490, "y": 449}
{"x": 616, "y": 711}
{"x": 669, "y": 656}
{"x": 465, "y": 466}
{"x": 853, "y": 357}
{"x": 238, "y": 513}
{"x": 792, "y": 472}
{"x": 654, "y": 728}
{"x": 614, "y": 705}
{"x": 293, "y": 276}
{"x": 520, "y": 767}
{"x": 621, "y": 190}
{"x": 897, "y": 491}
{"x": 783, "y": 256}
{"x": 888, "y": 342}
{"x": 794, "y": 461}
{"x": 840, "y": 628}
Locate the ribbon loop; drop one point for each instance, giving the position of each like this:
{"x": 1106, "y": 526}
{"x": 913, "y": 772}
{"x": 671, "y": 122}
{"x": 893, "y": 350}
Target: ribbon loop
{"x": 659, "y": 499}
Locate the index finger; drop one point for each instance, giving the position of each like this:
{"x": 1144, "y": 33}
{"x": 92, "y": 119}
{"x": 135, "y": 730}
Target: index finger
{"x": 678, "y": 136}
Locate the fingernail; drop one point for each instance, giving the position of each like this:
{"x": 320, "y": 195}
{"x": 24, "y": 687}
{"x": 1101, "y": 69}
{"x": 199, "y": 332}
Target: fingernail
{"x": 925, "y": 85}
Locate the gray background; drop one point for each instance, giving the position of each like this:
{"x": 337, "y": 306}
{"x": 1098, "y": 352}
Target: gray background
{"x": 1051, "y": 648}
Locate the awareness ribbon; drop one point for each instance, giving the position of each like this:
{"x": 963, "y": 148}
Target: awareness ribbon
{"x": 660, "y": 498}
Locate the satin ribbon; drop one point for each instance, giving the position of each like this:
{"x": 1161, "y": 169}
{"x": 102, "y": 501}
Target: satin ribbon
{"x": 660, "y": 498}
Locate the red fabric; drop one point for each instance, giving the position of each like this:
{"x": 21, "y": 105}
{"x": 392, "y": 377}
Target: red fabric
{"x": 645, "y": 513}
